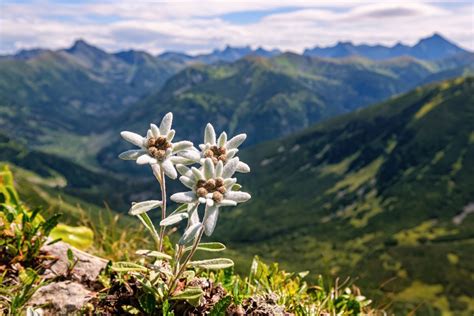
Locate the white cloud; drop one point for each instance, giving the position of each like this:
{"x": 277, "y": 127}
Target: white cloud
{"x": 201, "y": 25}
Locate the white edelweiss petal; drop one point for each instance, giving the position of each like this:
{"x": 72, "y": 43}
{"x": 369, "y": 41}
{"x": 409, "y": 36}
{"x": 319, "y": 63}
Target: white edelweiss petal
{"x": 210, "y": 202}
{"x": 184, "y": 171}
{"x": 229, "y": 182}
{"x": 231, "y": 153}
{"x": 190, "y": 234}
{"x": 202, "y": 200}
{"x": 219, "y": 169}
{"x": 210, "y": 134}
{"x": 222, "y": 139}
{"x": 210, "y": 219}
{"x": 237, "y": 196}
{"x": 230, "y": 167}
{"x": 180, "y": 160}
{"x": 182, "y": 145}
{"x": 132, "y": 154}
{"x": 208, "y": 169}
{"x": 145, "y": 159}
{"x": 190, "y": 183}
{"x": 154, "y": 130}
{"x": 145, "y": 206}
{"x": 166, "y": 122}
{"x": 133, "y": 138}
{"x": 227, "y": 203}
{"x": 191, "y": 155}
{"x": 194, "y": 217}
{"x": 149, "y": 134}
{"x": 197, "y": 173}
{"x": 183, "y": 197}
{"x": 242, "y": 167}
{"x": 202, "y": 147}
{"x": 169, "y": 169}
{"x": 236, "y": 141}
{"x": 170, "y": 135}
{"x": 156, "y": 171}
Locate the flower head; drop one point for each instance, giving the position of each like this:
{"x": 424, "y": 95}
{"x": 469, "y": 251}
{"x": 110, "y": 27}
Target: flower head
{"x": 210, "y": 185}
{"x": 157, "y": 148}
{"x": 221, "y": 149}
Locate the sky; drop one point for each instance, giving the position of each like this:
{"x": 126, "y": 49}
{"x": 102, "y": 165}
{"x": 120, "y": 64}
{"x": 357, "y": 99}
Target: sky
{"x": 202, "y": 25}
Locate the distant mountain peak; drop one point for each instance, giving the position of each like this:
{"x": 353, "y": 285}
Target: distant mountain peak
{"x": 82, "y": 45}
{"x": 433, "y": 47}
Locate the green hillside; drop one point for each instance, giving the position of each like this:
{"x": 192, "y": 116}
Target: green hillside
{"x": 68, "y": 97}
{"x": 382, "y": 194}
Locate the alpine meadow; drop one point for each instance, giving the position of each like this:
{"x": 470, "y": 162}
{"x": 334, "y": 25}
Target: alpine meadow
{"x": 179, "y": 160}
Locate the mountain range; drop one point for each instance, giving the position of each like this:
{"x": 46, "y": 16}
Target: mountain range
{"x": 430, "y": 48}
{"x": 341, "y": 186}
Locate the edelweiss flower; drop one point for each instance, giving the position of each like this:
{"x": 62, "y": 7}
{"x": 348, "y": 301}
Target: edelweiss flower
{"x": 210, "y": 185}
{"x": 222, "y": 149}
{"x": 157, "y": 148}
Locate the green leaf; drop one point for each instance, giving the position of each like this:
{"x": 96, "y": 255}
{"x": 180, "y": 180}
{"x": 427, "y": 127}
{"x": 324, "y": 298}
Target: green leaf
{"x": 213, "y": 264}
{"x": 209, "y": 246}
{"x": 173, "y": 219}
{"x": 189, "y": 293}
{"x": 153, "y": 253}
{"x": 70, "y": 255}
{"x": 220, "y": 307}
{"x": 236, "y": 187}
{"x": 180, "y": 209}
{"x": 80, "y": 237}
{"x": 123, "y": 266}
{"x": 146, "y": 221}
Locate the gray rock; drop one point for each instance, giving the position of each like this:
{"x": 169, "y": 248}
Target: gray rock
{"x": 61, "y": 298}
{"x": 67, "y": 296}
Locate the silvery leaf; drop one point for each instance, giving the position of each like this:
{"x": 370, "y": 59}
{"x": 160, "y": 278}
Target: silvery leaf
{"x": 170, "y": 135}
{"x": 219, "y": 169}
{"x": 222, "y": 139}
{"x": 133, "y": 138}
{"x": 169, "y": 169}
{"x": 145, "y": 206}
{"x": 153, "y": 253}
{"x": 191, "y": 155}
{"x": 184, "y": 171}
{"x": 132, "y": 154}
{"x": 166, "y": 122}
{"x": 182, "y": 145}
{"x": 229, "y": 182}
{"x": 154, "y": 130}
{"x": 183, "y": 197}
{"x": 210, "y": 219}
{"x": 230, "y": 167}
{"x": 227, "y": 203}
{"x": 231, "y": 153}
{"x": 212, "y": 264}
{"x": 190, "y": 234}
{"x": 190, "y": 183}
{"x": 236, "y": 141}
{"x": 197, "y": 173}
{"x": 209, "y": 134}
{"x": 173, "y": 219}
{"x": 237, "y": 196}
{"x": 146, "y": 159}
{"x": 208, "y": 169}
{"x": 242, "y": 167}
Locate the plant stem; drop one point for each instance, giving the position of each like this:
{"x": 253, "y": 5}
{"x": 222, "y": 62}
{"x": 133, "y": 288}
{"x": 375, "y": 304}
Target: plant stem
{"x": 185, "y": 262}
{"x": 163, "y": 208}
